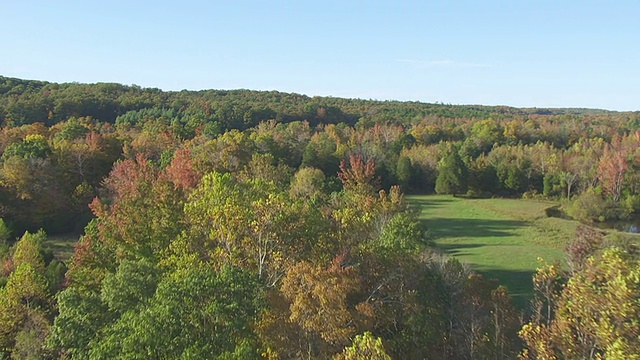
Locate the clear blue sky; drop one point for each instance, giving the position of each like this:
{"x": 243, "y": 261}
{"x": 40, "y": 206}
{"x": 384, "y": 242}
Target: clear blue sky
{"x": 518, "y": 53}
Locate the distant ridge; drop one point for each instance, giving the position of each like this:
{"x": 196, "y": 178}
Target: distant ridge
{"x": 27, "y": 101}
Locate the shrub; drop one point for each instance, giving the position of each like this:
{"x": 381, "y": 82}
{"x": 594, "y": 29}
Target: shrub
{"x": 591, "y": 207}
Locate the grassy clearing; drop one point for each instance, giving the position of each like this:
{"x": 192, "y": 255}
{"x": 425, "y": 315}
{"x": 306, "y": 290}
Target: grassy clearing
{"x": 500, "y": 238}
{"x": 62, "y": 245}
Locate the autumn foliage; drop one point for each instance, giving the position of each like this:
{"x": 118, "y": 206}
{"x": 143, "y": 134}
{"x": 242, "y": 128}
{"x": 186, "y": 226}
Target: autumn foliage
{"x": 246, "y": 225}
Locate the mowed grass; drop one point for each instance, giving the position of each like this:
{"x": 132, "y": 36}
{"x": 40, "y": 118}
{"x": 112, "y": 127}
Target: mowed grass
{"x": 499, "y": 238}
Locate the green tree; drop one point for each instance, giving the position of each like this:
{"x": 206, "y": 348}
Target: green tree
{"x": 307, "y": 183}
{"x": 404, "y": 172}
{"x": 81, "y": 316}
{"x": 404, "y": 233}
{"x": 217, "y": 213}
{"x": 25, "y": 302}
{"x": 24, "y": 295}
{"x": 28, "y": 251}
{"x": 320, "y": 153}
{"x": 5, "y": 236}
{"x": 364, "y": 347}
{"x": 196, "y": 313}
{"x": 485, "y": 133}
{"x": 30, "y": 341}
{"x": 32, "y": 146}
{"x": 131, "y": 285}
{"x": 452, "y": 174}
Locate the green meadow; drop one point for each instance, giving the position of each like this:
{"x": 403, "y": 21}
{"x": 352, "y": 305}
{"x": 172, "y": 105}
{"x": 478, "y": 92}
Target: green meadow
{"x": 499, "y": 238}
{"x": 62, "y": 246}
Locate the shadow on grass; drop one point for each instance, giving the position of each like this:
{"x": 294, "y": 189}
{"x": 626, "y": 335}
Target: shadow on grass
{"x": 429, "y": 202}
{"x": 458, "y": 249}
{"x": 518, "y": 283}
{"x": 447, "y": 227}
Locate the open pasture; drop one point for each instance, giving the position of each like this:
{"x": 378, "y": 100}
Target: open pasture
{"x": 500, "y": 238}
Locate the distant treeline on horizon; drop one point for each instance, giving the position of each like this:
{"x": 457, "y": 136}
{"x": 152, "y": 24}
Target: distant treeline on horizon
{"x": 29, "y": 101}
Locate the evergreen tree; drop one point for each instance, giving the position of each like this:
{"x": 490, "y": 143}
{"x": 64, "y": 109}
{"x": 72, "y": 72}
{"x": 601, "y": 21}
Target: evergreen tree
{"x": 404, "y": 171}
{"x": 452, "y": 176}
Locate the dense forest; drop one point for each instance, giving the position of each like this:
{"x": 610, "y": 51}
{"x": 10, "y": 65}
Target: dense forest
{"x": 245, "y": 224}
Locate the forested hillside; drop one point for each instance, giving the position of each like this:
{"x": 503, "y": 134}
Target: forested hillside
{"x": 246, "y": 224}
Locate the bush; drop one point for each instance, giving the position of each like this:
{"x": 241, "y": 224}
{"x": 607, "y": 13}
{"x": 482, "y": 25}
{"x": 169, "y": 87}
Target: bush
{"x": 632, "y": 203}
{"x": 592, "y": 207}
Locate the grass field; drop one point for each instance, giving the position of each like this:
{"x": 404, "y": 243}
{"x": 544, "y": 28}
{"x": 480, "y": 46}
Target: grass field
{"x": 62, "y": 245}
{"x": 500, "y": 238}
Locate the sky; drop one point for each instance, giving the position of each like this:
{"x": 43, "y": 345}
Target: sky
{"x": 516, "y": 53}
